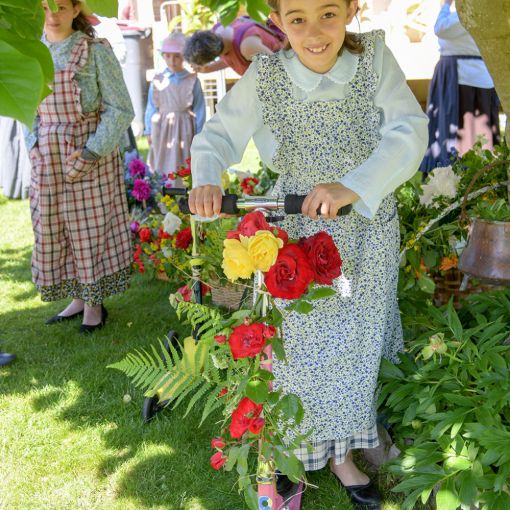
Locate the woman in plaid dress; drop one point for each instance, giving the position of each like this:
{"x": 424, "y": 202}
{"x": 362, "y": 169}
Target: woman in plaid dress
{"x": 77, "y": 196}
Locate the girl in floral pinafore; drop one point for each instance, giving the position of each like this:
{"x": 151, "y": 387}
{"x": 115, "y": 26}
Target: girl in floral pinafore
{"x": 335, "y": 118}
{"x": 77, "y": 195}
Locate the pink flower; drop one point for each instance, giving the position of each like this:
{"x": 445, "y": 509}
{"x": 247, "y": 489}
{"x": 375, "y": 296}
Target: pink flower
{"x": 141, "y": 190}
{"x": 185, "y": 292}
{"x": 137, "y": 168}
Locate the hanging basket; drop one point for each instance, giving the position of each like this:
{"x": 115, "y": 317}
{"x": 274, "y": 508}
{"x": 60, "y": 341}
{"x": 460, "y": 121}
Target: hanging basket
{"x": 229, "y": 295}
{"x": 449, "y": 283}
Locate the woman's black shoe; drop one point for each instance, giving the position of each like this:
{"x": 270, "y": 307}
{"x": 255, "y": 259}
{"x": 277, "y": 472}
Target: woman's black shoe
{"x": 61, "y": 318}
{"x": 363, "y": 497}
{"x": 85, "y": 329}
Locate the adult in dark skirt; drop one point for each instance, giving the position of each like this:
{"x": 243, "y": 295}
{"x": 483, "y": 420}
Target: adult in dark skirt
{"x": 462, "y": 102}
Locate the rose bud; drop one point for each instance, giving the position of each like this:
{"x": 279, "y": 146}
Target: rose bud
{"x": 217, "y": 460}
{"x": 218, "y": 442}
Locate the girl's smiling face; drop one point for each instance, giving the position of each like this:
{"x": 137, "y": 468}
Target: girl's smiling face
{"x": 59, "y": 25}
{"x": 315, "y": 29}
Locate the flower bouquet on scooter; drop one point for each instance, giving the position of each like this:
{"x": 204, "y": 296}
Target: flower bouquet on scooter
{"x": 229, "y": 367}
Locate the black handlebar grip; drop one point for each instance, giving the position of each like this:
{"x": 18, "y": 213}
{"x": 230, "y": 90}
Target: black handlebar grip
{"x": 172, "y": 192}
{"x": 228, "y": 205}
{"x": 293, "y": 204}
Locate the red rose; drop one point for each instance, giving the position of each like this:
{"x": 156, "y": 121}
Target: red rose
{"x": 218, "y": 442}
{"x": 220, "y": 339}
{"x": 269, "y": 331}
{"x": 281, "y": 234}
{"x": 323, "y": 256}
{"x": 247, "y": 412}
{"x": 247, "y": 185}
{"x": 252, "y": 223}
{"x": 162, "y": 234}
{"x": 145, "y": 235}
{"x": 185, "y": 292}
{"x": 218, "y": 459}
{"x": 222, "y": 392}
{"x": 291, "y": 274}
{"x": 257, "y": 425}
{"x": 183, "y": 172}
{"x": 183, "y": 238}
{"x": 205, "y": 289}
{"x": 246, "y": 341}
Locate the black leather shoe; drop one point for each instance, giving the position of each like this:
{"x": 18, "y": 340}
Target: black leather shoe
{"x": 6, "y": 358}
{"x": 85, "y": 329}
{"x": 61, "y": 318}
{"x": 363, "y": 497}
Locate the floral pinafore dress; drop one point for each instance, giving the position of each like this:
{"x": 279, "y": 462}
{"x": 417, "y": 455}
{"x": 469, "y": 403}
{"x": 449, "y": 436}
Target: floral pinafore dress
{"x": 334, "y": 353}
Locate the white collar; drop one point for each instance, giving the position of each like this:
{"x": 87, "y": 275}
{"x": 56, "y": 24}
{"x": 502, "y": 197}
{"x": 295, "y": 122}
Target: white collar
{"x": 342, "y": 72}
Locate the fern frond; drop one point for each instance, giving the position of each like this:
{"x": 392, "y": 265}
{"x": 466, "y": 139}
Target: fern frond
{"x": 198, "y": 395}
{"x": 212, "y": 403}
{"x": 186, "y": 391}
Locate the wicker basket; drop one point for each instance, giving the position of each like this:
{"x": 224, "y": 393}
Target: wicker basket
{"x": 229, "y": 295}
{"x": 448, "y": 284}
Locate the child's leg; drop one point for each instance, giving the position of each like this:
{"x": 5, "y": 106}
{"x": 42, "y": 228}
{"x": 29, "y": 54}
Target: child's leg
{"x": 348, "y": 473}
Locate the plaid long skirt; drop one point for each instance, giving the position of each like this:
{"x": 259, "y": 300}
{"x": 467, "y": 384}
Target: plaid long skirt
{"x": 80, "y": 217}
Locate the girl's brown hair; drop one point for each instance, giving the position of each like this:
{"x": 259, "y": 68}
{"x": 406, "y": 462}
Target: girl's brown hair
{"x": 351, "y": 42}
{"x": 82, "y": 23}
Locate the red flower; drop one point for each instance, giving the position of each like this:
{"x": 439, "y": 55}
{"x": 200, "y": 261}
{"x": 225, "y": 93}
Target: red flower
{"x": 291, "y": 274}
{"x": 252, "y": 223}
{"x": 183, "y": 238}
{"x": 218, "y": 442}
{"x": 205, "y": 289}
{"x": 185, "y": 292}
{"x": 269, "y": 331}
{"x": 220, "y": 339}
{"x": 162, "y": 234}
{"x": 247, "y": 185}
{"x": 172, "y": 176}
{"x": 218, "y": 459}
{"x": 323, "y": 256}
{"x": 145, "y": 235}
{"x": 184, "y": 172}
{"x": 246, "y": 341}
{"x": 246, "y": 413}
{"x": 257, "y": 425}
{"x": 222, "y": 392}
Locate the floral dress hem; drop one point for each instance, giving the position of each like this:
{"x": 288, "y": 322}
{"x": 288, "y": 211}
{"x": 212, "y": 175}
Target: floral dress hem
{"x": 92, "y": 293}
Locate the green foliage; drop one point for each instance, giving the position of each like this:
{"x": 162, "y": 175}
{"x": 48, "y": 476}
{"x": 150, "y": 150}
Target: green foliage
{"x": 432, "y": 236}
{"x": 26, "y": 72}
{"x": 197, "y": 16}
{"x": 499, "y": 210}
{"x": 228, "y": 9}
{"x": 448, "y": 402}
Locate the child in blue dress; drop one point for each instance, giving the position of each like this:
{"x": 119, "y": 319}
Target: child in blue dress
{"x": 333, "y": 115}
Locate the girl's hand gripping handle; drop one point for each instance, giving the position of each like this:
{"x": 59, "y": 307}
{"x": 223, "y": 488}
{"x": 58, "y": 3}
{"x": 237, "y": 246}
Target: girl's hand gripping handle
{"x": 205, "y": 201}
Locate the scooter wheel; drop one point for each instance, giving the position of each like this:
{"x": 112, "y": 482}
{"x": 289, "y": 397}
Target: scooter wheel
{"x": 152, "y": 405}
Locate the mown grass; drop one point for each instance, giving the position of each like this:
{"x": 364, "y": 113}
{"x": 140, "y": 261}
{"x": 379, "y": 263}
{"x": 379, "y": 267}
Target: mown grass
{"x": 69, "y": 438}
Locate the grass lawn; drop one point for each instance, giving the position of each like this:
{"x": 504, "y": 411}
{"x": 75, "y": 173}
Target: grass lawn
{"x": 69, "y": 436}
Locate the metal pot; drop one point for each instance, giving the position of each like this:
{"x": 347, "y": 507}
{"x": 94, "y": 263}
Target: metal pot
{"x": 487, "y": 254}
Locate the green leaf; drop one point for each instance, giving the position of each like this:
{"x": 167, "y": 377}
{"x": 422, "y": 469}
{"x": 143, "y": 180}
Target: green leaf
{"x": 447, "y": 498}
{"x": 319, "y": 293}
{"x": 468, "y": 490}
{"x": 426, "y": 284}
{"x": 21, "y": 83}
{"x": 453, "y": 320}
{"x": 301, "y": 307}
{"x": 257, "y": 391}
{"x": 250, "y": 496}
{"x": 278, "y": 349}
{"x": 109, "y": 8}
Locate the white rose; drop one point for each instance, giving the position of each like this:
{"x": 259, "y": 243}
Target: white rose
{"x": 171, "y": 223}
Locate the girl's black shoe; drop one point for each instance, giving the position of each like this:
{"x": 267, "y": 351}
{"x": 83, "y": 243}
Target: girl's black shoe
{"x": 61, "y": 318}
{"x": 85, "y": 329}
{"x": 363, "y": 497}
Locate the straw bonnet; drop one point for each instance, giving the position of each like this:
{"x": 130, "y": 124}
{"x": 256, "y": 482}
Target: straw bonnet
{"x": 174, "y": 43}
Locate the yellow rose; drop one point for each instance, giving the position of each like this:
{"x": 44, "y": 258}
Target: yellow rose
{"x": 225, "y": 180}
{"x": 237, "y": 263}
{"x": 262, "y": 248}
